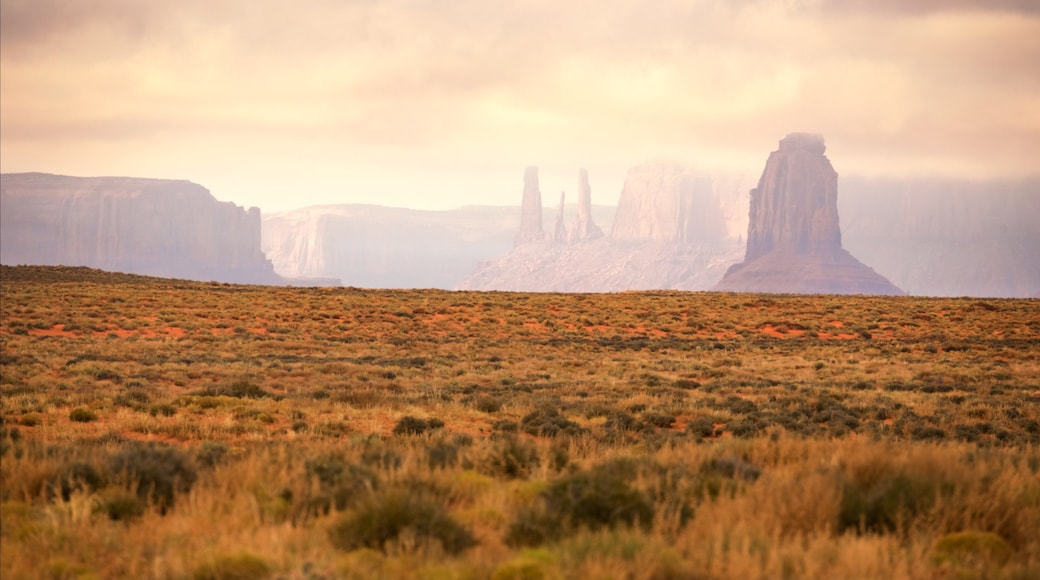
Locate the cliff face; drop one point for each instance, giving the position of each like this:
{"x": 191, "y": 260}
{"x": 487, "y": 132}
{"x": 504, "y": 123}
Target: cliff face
{"x": 665, "y": 202}
{"x": 794, "y": 240}
{"x": 143, "y": 226}
{"x": 795, "y": 206}
{"x": 947, "y": 238}
{"x": 382, "y": 247}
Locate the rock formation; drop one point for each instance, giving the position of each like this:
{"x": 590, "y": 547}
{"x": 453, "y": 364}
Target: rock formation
{"x": 794, "y": 241}
{"x": 669, "y": 232}
{"x": 584, "y": 227}
{"x": 665, "y": 202}
{"x": 530, "y": 210}
{"x": 560, "y": 231}
{"x": 154, "y": 227}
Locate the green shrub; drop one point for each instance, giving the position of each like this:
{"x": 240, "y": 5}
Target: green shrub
{"x": 211, "y": 453}
{"x": 505, "y": 426}
{"x": 242, "y": 389}
{"x": 548, "y": 422}
{"x": 701, "y": 427}
{"x": 595, "y": 499}
{"x": 409, "y": 425}
{"x": 972, "y": 551}
{"x": 340, "y": 484}
{"x": 489, "y": 404}
{"x": 120, "y": 505}
{"x": 242, "y": 566}
{"x": 74, "y": 476}
{"x": 659, "y": 420}
{"x": 510, "y": 457}
{"x": 30, "y": 420}
{"x": 442, "y": 454}
{"x": 81, "y": 415}
{"x": 876, "y": 506}
{"x": 385, "y": 517}
{"x": 165, "y": 409}
{"x": 158, "y": 472}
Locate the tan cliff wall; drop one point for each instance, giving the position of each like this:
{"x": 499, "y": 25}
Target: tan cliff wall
{"x": 156, "y": 227}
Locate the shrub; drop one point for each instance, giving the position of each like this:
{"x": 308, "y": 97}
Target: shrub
{"x": 659, "y": 420}
{"x": 73, "y": 476}
{"x": 340, "y": 484}
{"x": 242, "y": 566}
{"x": 510, "y": 457}
{"x": 489, "y": 404}
{"x": 158, "y": 472}
{"x": 30, "y": 420}
{"x": 876, "y": 505}
{"x": 409, "y": 425}
{"x": 166, "y": 410}
{"x": 240, "y": 390}
{"x": 592, "y": 499}
{"x": 81, "y": 415}
{"x": 619, "y": 422}
{"x": 211, "y": 453}
{"x": 442, "y": 454}
{"x": 548, "y": 422}
{"x": 120, "y": 505}
{"x": 701, "y": 427}
{"x": 385, "y": 517}
{"x": 972, "y": 551}
{"x": 505, "y": 426}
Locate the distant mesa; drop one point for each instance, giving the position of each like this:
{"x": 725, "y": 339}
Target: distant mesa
{"x": 156, "y": 227}
{"x": 794, "y": 240}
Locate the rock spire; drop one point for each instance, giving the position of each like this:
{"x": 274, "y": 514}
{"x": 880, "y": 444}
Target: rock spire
{"x": 530, "y": 210}
{"x": 584, "y": 228}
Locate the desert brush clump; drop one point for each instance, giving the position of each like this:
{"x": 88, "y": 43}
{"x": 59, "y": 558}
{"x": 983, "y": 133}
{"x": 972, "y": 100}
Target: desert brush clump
{"x": 396, "y": 515}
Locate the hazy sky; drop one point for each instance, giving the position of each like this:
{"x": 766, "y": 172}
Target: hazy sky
{"x": 439, "y": 103}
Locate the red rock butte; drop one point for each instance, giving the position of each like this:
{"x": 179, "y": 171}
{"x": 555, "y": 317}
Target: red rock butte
{"x": 794, "y": 239}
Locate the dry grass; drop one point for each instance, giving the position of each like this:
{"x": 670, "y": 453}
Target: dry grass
{"x": 772, "y": 436}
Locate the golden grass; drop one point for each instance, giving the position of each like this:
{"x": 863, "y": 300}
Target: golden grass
{"x": 813, "y": 436}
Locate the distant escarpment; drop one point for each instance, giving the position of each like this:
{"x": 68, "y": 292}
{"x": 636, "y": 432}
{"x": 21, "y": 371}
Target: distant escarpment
{"x": 936, "y": 237}
{"x": 794, "y": 240}
{"x": 155, "y": 227}
{"x": 672, "y": 229}
{"x": 371, "y": 246}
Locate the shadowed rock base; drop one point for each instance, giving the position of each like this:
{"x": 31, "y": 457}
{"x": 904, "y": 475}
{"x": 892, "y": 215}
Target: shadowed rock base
{"x": 827, "y": 272}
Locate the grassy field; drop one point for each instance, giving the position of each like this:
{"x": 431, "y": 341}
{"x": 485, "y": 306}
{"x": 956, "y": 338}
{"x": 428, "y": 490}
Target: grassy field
{"x": 180, "y": 430}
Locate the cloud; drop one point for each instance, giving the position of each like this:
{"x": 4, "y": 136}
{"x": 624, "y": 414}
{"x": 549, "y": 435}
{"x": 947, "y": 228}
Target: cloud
{"x": 931, "y": 86}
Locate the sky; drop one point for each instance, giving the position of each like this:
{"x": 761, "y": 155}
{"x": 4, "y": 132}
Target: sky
{"x": 435, "y": 104}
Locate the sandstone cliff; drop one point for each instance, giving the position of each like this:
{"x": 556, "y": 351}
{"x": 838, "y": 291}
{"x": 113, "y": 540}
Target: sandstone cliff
{"x": 154, "y": 227}
{"x": 794, "y": 240}
{"x": 384, "y": 247}
{"x": 665, "y": 202}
